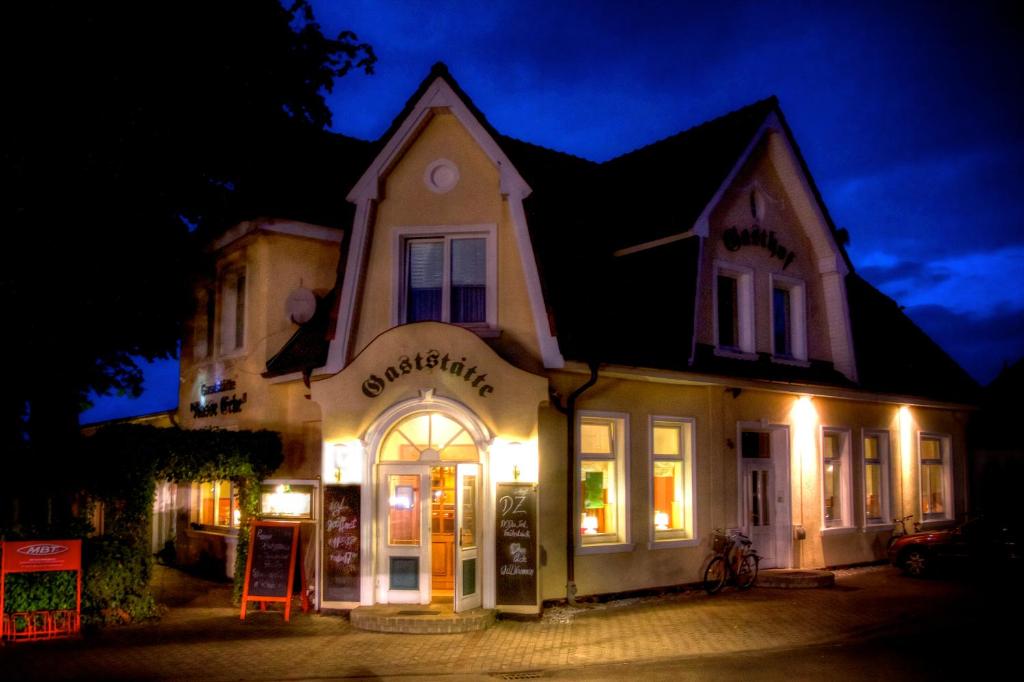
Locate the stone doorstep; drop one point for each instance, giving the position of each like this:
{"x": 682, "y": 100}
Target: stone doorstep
{"x": 412, "y": 619}
{"x": 795, "y": 578}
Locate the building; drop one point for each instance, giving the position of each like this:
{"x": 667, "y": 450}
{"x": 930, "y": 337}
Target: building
{"x": 509, "y": 375}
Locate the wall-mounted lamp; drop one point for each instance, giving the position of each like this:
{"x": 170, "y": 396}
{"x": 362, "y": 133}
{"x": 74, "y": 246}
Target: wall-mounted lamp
{"x": 515, "y": 454}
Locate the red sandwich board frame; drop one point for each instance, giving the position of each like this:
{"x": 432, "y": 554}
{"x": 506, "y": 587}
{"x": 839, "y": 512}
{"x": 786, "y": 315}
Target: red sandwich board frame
{"x": 31, "y": 556}
{"x": 293, "y": 554}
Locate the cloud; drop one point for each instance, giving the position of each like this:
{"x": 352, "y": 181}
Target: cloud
{"x": 982, "y": 345}
{"x": 981, "y": 283}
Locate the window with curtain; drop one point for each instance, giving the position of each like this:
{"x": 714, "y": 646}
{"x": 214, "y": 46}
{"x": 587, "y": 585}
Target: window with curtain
{"x": 446, "y": 279}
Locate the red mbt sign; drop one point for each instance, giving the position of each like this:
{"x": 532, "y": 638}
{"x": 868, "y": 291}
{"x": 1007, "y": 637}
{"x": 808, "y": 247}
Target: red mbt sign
{"x": 42, "y": 555}
{"x": 29, "y": 556}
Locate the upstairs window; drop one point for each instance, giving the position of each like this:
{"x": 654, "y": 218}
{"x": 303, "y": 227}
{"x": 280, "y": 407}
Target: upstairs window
{"x": 232, "y": 316}
{"x": 789, "y": 327}
{"x": 734, "y": 309}
{"x": 202, "y": 341}
{"x": 446, "y": 279}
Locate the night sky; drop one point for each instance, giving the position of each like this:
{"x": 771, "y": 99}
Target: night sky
{"x": 910, "y": 116}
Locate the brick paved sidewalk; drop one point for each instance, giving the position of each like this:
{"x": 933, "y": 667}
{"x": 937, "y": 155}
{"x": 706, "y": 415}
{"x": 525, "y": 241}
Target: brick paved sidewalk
{"x": 202, "y": 636}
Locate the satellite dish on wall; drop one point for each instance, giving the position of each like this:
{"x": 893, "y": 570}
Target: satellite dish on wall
{"x": 300, "y": 306}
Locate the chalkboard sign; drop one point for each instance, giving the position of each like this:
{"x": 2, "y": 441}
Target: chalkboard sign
{"x": 270, "y": 565}
{"x": 341, "y": 543}
{"x": 516, "y": 544}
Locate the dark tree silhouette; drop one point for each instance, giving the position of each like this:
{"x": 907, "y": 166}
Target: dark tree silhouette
{"x": 130, "y": 127}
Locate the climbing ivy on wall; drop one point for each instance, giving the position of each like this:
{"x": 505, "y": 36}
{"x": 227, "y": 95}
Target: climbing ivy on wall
{"x": 120, "y": 466}
{"x": 147, "y": 454}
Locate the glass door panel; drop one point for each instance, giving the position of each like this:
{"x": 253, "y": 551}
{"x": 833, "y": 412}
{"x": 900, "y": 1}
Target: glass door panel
{"x": 468, "y": 557}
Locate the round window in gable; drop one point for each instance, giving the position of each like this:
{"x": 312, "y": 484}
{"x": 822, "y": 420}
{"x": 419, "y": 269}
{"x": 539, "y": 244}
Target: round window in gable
{"x": 441, "y": 176}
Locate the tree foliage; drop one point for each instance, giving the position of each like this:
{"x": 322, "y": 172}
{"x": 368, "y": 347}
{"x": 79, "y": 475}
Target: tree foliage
{"x": 129, "y": 126}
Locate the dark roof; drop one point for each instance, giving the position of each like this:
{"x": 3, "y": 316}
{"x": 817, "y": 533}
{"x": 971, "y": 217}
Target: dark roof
{"x": 895, "y": 356}
{"x": 638, "y": 309}
{"x": 668, "y": 184}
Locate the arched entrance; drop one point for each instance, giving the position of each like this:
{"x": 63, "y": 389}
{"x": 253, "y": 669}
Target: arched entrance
{"x": 430, "y": 456}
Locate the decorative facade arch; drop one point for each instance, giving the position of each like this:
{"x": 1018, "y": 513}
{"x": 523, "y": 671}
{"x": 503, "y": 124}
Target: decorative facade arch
{"x": 429, "y": 404}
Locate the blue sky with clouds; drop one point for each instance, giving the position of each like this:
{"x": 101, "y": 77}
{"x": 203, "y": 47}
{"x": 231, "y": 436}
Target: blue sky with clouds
{"x": 910, "y": 116}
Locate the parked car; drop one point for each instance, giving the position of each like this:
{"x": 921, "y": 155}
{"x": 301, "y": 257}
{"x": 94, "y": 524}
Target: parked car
{"x": 978, "y": 542}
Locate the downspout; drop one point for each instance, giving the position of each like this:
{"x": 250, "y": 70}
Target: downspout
{"x": 569, "y": 410}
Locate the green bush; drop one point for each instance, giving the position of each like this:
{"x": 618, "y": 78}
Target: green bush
{"x": 115, "y": 585}
{"x": 116, "y": 582}
{"x": 39, "y": 591}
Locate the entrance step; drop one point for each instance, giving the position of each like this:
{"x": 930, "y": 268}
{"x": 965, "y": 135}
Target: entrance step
{"x": 419, "y": 619}
{"x": 795, "y": 579}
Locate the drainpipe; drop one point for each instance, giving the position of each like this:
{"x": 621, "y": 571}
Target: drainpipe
{"x": 569, "y": 410}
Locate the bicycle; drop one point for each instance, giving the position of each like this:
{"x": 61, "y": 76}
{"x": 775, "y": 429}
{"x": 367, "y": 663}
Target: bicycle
{"x": 900, "y": 529}
{"x": 735, "y": 560}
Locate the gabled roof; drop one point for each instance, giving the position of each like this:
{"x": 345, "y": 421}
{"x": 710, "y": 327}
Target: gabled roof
{"x": 612, "y": 308}
{"x": 672, "y": 181}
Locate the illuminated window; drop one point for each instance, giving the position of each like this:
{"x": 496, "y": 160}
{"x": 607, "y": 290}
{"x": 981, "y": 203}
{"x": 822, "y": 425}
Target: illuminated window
{"x": 835, "y": 455}
{"x": 403, "y": 509}
{"x": 286, "y": 500}
{"x": 734, "y": 309}
{"x": 789, "y": 324}
{"x": 215, "y": 503}
{"x": 935, "y": 484}
{"x": 602, "y": 489}
{"x": 876, "y": 477}
{"x": 449, "y": 278}
{"x": 232, "y": 314}
{"x": 428, "y": 436}
{"x": 671, "y": 444}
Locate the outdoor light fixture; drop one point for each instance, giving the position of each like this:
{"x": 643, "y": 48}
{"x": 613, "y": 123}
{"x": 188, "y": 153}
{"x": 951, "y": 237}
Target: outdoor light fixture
{"x": 346, "y": 464}
{"x": 515, "y": 453}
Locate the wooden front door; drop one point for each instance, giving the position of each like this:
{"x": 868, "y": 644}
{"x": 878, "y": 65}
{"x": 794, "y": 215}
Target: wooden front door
{"x": 442, "y": 529}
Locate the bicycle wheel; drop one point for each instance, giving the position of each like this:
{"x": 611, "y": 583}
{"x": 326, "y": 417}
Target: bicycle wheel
{"x": 747, "y": 573}
{"x": 714, "y": 575}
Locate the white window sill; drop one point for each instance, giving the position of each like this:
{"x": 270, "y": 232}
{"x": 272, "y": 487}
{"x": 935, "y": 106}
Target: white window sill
{"x": 787, "y": 360}
{"x": 837, "y": 530}
{"x": 221, "y": 531}
{"x": 673, "y": 543}
{"x": 877, "y": 527}
{"x": 934, "y": 523}
{"x": 735, "y": 354}
{"x": 610, "y": 548}
{"x": 483, "y": 332}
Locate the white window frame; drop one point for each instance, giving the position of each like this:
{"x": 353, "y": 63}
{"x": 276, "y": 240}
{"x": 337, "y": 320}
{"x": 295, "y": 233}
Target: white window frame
{"x": 845, "y": 521}
{"x": 744, "y": 309}
{"x": 885, "y": 465}
{"x": 230, "y": 344}
{"x": 945, "y": 449}
{"x": 403, "y": 235}
{"x": 686, "y": 536}
{"x": 619, "y": 540}
{"x": 798, "y": 316}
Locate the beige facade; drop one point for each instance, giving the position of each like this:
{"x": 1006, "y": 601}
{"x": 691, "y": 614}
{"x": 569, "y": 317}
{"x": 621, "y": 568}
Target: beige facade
{"x": 442, "y": 428}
